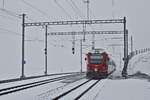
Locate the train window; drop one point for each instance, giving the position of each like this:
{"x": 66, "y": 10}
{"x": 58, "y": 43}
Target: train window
{"x": 95, "y": 59}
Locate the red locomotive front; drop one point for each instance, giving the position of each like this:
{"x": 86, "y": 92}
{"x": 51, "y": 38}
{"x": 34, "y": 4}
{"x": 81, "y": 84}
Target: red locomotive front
{"x": 97, "y": 64}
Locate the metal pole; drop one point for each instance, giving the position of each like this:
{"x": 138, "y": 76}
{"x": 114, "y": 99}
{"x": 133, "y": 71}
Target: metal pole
{"x": 124, "y": 38}
{"x": 125, "y": 59}
{"x": 126, "y": 43}
{"x": 93, "y": 41}
{"x": 3, "y": 3}
{"x": 120, "y": 59}
{"x": 81, "y": 54}
{"x": 131, "y": 44}
{"x": 46, "y": 50}
{"x": 88, "y": 10}
{"x": 84, "y": 29}
{"x": 23, "y": 38}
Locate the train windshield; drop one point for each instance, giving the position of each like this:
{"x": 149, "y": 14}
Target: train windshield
{"x": 95, "y": 58}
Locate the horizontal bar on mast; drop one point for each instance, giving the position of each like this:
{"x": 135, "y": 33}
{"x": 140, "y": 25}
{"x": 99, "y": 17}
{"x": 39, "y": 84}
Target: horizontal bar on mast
{"x": 75, "y": 22}
{"x": 86, "y": 32}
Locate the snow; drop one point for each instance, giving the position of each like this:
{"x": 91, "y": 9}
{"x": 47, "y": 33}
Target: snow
{"x": 140, "y": 63}
{"x": 134, "y": 88}
{"x": 129, "y": 89}
{"x": 78, "y": 91}
{"x": 27, "y": 81}
{"x": 107, "y": 89}
{"x": 40, "y": 91}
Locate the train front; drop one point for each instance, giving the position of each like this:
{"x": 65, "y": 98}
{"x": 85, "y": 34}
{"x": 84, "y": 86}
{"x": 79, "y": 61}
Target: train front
{"x": 97, "y": 66}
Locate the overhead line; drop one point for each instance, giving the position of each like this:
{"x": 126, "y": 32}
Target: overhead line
{"x": 14, "y": 33}
{"x": 87, "y": 32}
{"x": 10, "y": 13}
{"x": 80, "y": 13}
{"x": 74, "y": 9}
{"x": 13, "y": 14}
{"x": 76, "y": 22}
{"x": 63, "y": 9}
{"x": 37, "y": 9}
{"x": 17, "y": 34}
{"x": 7, "y": 17}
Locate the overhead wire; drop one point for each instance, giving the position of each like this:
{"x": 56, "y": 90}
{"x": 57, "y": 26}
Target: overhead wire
{"x": 74, "y": 9}
{"x": 7, "y": 17}
{"x": 113, "y": 13}
{"x": 73, "y": 36}
{"x": 37, "y": 9}
{"x": 78, "y": 10}
{"x": 62, "y": 9}
{"x": 10, "y": 32}
{"x": 11, "y": 13}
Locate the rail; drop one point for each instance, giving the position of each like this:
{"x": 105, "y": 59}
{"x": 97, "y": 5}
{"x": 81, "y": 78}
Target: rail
{"x": 16, "y": 88}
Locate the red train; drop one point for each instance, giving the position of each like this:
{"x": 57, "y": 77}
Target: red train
{"x": 99, "y": 64}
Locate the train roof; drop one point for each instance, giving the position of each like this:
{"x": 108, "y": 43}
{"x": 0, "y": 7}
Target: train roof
{"x": 98, "y": 50}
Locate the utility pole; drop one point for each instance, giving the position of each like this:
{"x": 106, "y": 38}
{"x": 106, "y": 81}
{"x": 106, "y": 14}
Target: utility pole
{"x": 120, "y": 59}
{"x": 88, "y": 8}
{"x": 23, "y": 39}
{"x": 73, "y": 43}
{"x": 81, "y": 54}
{"x": 131, "y": 44}
{"x": 88, "y": 17}
{"x": 3, "y": 4}
{"x": 93, "y": 41}
{"x": 45, "y": 49}
{"x": 125, "y": 40}
{"x": 113, "y": 14}
{"x": 84, "y": 25}
{"x": 126, "y": 59}
{"x": 84, "y": 31}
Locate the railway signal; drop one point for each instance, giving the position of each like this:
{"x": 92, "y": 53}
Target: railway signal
{"x": 73, "y": 50}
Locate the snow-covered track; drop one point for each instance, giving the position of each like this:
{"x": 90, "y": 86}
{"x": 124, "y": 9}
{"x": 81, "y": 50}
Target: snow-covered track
{"x": 16, "y": 88}
{"x": 34, "y": 77}
{"x": 77, "y": 87}
{"x": 86, "y": 90}
{"x": 67, "y": 92}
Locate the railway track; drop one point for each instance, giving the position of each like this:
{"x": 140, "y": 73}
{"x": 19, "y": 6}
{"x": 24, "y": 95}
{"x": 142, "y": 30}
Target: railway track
{"x": 17, "y": 88}
{"x": 33, "y": 77}
{"x": 78, "y": 97}
{"x": 65, "y": 95}
{"x": 67, "y": 82}
{"x": 77, "y": 87}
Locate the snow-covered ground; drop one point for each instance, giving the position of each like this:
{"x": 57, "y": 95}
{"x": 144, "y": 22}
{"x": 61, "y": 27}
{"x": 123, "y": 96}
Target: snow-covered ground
{"x": 133, "y": 88}
{"x": 4, "y": 85}
{"x": 128, "y": 89}
{"x": 60, "y": 57}
{"x": 140, "y": 63}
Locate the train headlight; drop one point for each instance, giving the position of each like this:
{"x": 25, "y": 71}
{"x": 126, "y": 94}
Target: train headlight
{"x": 95, "y": 69}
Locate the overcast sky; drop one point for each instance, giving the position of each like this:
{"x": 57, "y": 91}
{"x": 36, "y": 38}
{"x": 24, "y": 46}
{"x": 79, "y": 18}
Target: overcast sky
{"x": 59, "y": 47}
